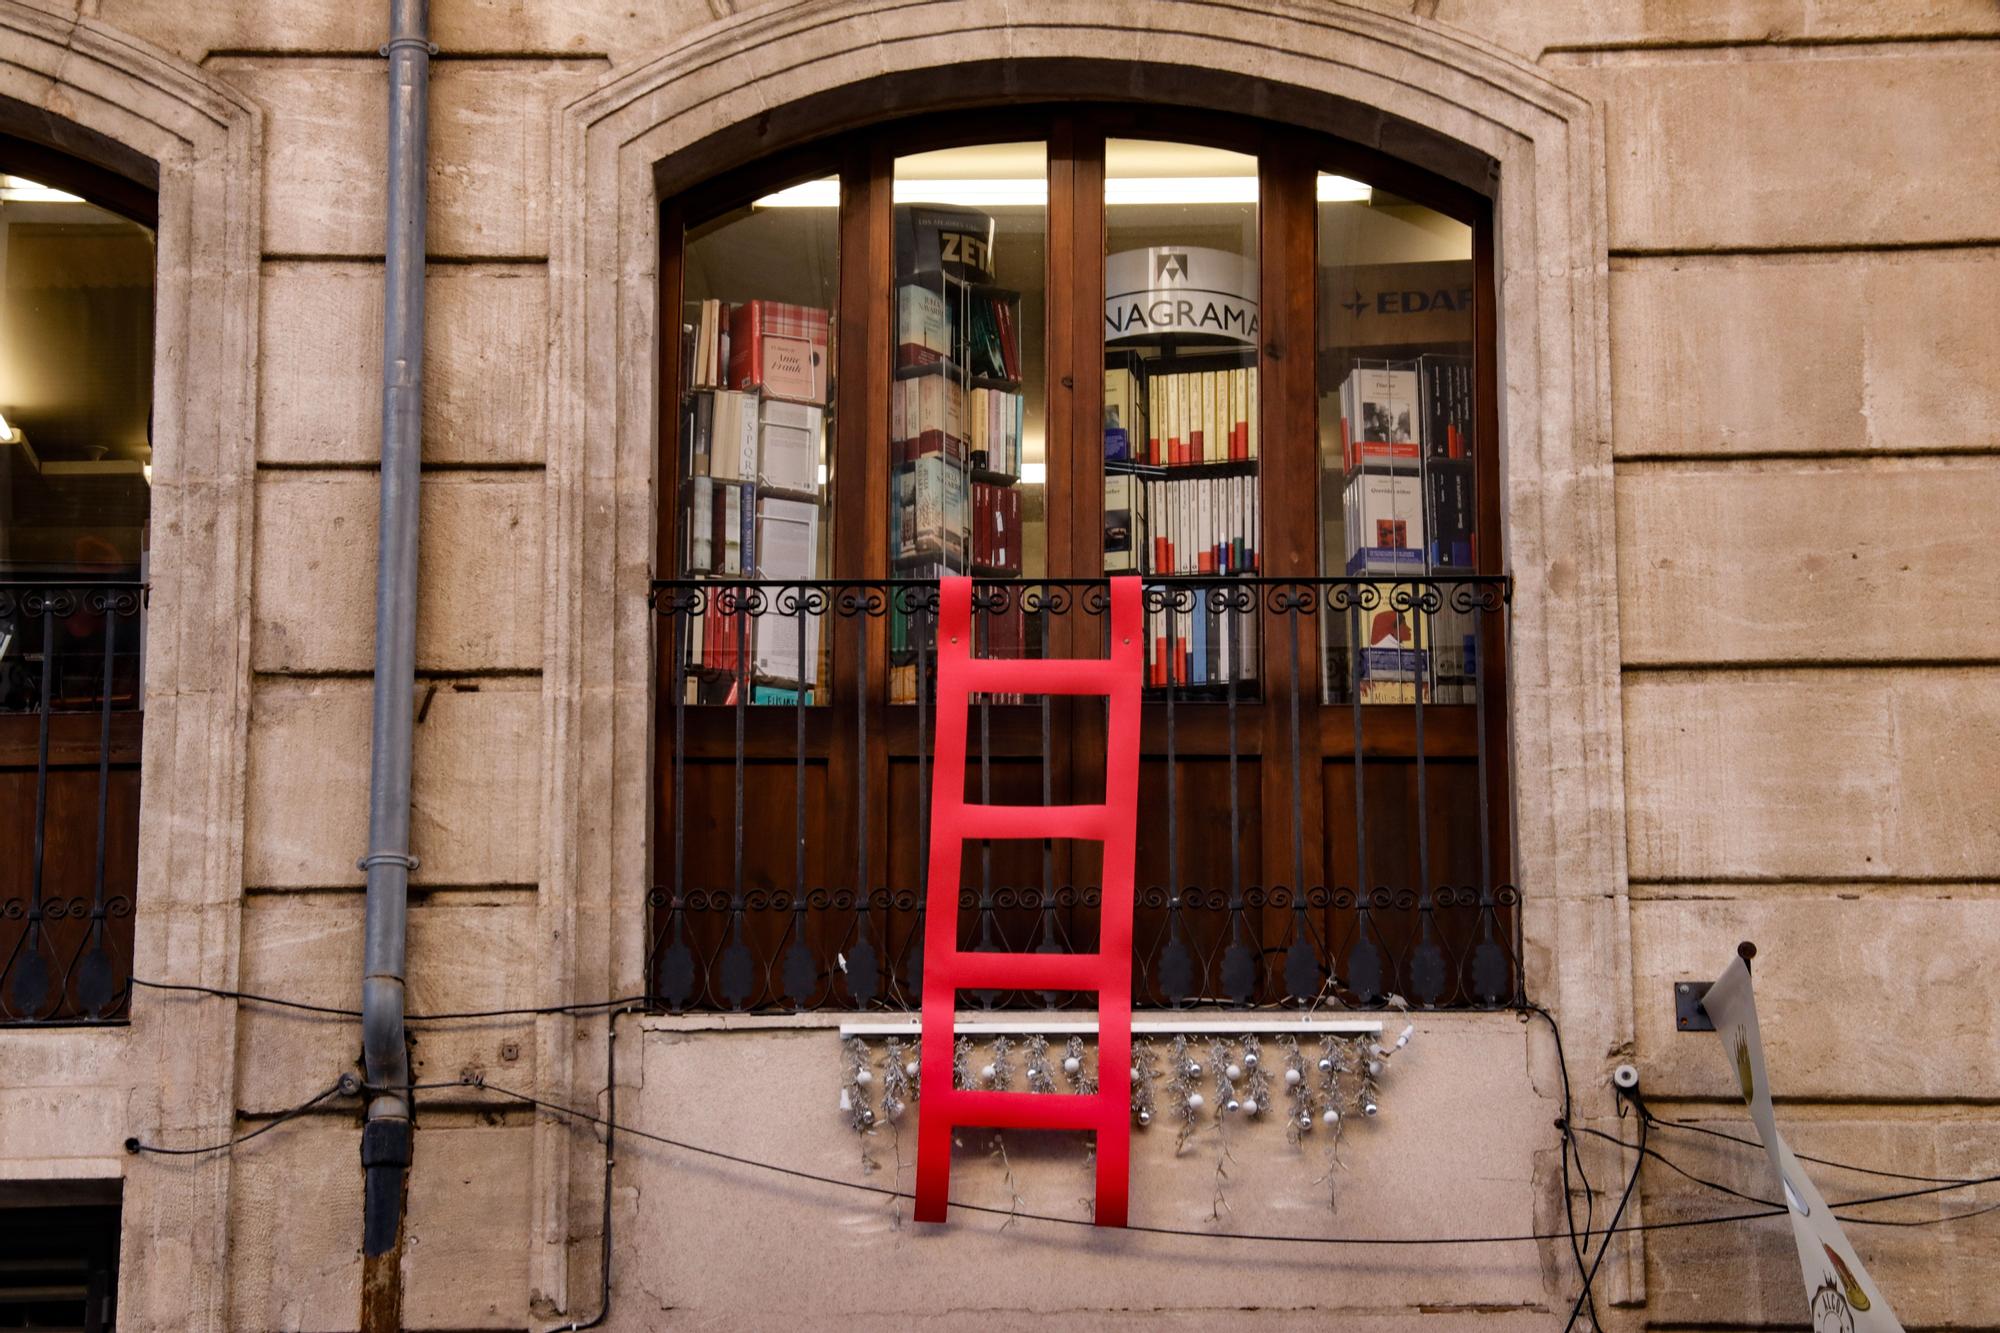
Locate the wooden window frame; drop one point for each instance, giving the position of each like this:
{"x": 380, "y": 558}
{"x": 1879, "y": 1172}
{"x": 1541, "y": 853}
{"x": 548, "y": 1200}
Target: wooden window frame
{"x": 1289, "y": 158}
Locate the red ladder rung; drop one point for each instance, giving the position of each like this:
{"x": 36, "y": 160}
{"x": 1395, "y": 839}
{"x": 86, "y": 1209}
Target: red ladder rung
{"x": 1039, "y": 675}
{"x": 1012, "y": 1110}
{"x": 1024, "y": 971}
{"x": 1088, "y": 823}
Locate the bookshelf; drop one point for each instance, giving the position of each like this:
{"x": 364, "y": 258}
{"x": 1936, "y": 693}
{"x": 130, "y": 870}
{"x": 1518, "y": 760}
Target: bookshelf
{"x": 753, "y": 422}
{"x": 957, "y": 416}
{"x": 1407, "y": 509}
{"x": 1182, "y": 459}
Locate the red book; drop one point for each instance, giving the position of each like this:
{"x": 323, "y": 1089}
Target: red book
{"x": 780, "y": 349}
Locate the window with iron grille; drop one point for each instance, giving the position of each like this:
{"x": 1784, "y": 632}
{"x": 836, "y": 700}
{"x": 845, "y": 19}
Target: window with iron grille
{"x": 1043, "y": 347}
{"x": 76, "y": 354}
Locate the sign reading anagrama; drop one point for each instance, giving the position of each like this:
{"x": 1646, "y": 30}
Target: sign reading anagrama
{"x": 1180, "y": 289}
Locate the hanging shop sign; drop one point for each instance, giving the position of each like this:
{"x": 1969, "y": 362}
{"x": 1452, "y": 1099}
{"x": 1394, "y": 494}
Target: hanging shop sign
{"x": 1186, "y": 290}
{"x": 1843, "y": 1298}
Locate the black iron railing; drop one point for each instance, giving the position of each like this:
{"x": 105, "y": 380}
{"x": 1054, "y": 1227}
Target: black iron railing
{"x": 71, "y": 667}
{"x": 1316, "y": 732}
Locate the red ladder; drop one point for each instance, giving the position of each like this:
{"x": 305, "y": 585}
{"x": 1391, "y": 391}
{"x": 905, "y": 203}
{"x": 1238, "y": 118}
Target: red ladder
{"x": 942, "y": 1107}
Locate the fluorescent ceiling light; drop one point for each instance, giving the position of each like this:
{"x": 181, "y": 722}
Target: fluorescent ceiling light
{"x": 18, "y": 190}
{"x": 1342, "y": 190}
{"x": 1030, "y": 192}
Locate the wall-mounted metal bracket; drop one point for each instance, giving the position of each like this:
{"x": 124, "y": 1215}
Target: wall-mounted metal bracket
{"x": 1689, "y": 1016}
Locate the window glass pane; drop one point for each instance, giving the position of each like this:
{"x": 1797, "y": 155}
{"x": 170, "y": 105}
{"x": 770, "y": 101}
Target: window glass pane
{"x": 1397, "y": 476}
{"x": 968, "y": 454}
{"x": 76, "y": 457}
{"x": 1181, "y": 435}
{"x": 756, "y": 424}
{"x": 76, "y": 372}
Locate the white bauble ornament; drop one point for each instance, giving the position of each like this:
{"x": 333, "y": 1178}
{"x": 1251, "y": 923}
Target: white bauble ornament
{"x": 1292, "y": 1077}
{"x": 910, "y": 1068}
{"x": 1233, "y": 1072}
{"x": 1374, "y": 1068}
{"x": 986, "y": 1072}
{"x": 1330, "y": 1116}
{"x": 863, "y": 1077}
{"x": 1135, "y": 1073}
{"x": 1195, "y": 1101}
{"x": 1250, "y": 1106}
{"x": 1071, "y": 1064}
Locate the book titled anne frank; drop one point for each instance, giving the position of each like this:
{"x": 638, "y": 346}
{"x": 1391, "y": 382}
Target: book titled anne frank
{"x": 780, "y": 349}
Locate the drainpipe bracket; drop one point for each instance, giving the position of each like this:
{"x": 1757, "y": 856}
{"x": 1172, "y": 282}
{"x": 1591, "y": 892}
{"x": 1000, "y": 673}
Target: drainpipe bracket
{"x": 373, "y": 859}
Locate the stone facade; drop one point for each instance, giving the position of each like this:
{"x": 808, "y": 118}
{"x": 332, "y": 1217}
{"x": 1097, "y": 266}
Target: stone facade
{"x": 1748, "y": 261}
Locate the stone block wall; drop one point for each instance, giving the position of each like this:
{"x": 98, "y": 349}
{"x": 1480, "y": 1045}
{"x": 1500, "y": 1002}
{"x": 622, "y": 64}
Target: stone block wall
{"x": 1800, "y": 202}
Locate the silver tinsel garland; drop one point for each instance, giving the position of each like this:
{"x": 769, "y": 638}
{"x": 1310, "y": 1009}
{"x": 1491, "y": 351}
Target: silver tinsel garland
{"x": 1324, "y": 1092}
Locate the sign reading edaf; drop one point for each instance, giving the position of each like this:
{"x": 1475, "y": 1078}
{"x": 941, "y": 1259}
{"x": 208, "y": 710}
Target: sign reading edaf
{"x": 1180, "y": 289}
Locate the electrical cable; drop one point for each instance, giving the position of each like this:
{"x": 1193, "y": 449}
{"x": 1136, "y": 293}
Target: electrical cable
{"x": 135, "y": 1145}
{"x": 557, "y": 1108}
{"x": 1589, "y": 1279}
{"x": 1569, "y": 1149}
{"x": 334, "y": 1011}
{"x": 1806, "y": 1157}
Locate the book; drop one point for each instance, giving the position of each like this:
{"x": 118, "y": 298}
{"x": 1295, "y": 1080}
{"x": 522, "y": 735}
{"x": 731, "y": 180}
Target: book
{"x": 923, "y": 325}
{"x": 1124, "y": 523}
{"x": 1450, "y": 516}
{"x": 931, "y": 521}
{"x": 789, "y": 447}
{"x": 1125, "y": 435}
{"x": 779, "y": 348}
{"x": 927, "y": 415}
{"x": 1384, "y": 514}
{"x": 1446, "y": 405}
{"x": 996, "y": 529}
{"x": 1378, "y": 418}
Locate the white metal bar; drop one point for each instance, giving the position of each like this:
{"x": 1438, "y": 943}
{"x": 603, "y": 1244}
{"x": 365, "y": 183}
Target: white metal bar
{"x": 1143, "y": 1027}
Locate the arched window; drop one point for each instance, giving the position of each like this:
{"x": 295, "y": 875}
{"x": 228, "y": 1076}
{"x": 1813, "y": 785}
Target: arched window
{"x": 76, "y": 362}
{"x": 1042, "y": 346}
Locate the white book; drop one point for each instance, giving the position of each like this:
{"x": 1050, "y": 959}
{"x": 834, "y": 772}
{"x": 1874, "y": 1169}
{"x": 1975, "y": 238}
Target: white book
{"x": 732, "y": 531}
{"x": 787, "y": 539}
{"x": 701, "y": 523}
{"x": 788, "y": 454}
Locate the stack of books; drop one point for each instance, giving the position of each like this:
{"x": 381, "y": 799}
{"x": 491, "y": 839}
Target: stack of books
{"x": 1409, "y": 511}
{"x": 753, "y": 431}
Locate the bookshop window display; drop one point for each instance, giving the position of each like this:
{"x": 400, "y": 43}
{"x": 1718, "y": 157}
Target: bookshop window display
{"x": 1200, "y": 349}
{"x": 76, "y": 357}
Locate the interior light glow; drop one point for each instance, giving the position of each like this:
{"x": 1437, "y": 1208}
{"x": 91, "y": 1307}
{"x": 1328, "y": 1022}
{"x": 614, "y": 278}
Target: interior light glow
{"x": 20, "y": 190}
{"x": 1034, "y": 474}
{"x": 806, "y": 194}
{"x": 1342, "y": 190}
{"x": 6, "y": 431}
{"x": 1029, "y": 192}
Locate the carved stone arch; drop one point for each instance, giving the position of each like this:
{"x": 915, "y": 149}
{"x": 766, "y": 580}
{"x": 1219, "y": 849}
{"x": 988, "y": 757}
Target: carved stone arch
{"x": 756, "y": 82}
{"x": 85, "y": 89}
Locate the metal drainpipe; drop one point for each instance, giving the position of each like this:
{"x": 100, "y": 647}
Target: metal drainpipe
{"x": 385, "y": 1139}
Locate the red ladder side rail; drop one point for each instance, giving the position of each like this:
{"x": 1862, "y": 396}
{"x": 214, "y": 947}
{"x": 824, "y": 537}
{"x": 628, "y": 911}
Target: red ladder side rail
{"x": 941, "y": 1107}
